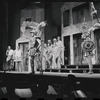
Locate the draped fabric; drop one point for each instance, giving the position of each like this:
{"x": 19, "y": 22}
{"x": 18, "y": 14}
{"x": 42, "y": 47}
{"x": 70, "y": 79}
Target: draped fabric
{"x": 97, "y": 38}
{"x": 80, "y": 12}
{"x": 77, "y": 49}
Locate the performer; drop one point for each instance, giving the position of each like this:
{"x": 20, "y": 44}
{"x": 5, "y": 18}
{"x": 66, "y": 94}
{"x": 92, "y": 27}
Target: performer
{"x": 38, "y": 59}
{"x": 49, "y": 54}
{"x": 18, "y": 59}
{"x": 9, "y": 59}
{"x": 27, "y": 24}
{"x": 34, "y": 50}
{"x": 88, "y": 45}
{"x": 44, "y": 58}
{"x": 60, "y": 46}
{"x": 55, "y": 54}
{"x": 88, "y": 56}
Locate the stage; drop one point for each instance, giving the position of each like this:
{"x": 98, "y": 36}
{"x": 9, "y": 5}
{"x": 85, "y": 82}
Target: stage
{"x": 58, "y": 74}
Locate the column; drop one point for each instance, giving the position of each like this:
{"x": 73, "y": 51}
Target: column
{"x": 71, "y": 41}
{"x": 62, "y": 37}
{"x": 71, "y": 50}
{"x": 92, "y": 37}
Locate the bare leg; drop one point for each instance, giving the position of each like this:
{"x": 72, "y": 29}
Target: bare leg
{"x": 35, "y": 64}
{"x": 43, "y": 63}
{"x": 89, "y": 61}
{"x": 32, "y": 64}
{"x": 58, "y": 63}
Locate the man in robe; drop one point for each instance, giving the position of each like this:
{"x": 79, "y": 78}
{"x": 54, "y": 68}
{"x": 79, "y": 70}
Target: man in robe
{"x": 9, "y": 59}
{"x": 18, "y": 59}
{"x": 60, "y": 46}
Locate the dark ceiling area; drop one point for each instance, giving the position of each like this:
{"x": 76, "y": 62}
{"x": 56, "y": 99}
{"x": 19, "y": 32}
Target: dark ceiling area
{"x": 52, "y": 12}
{"x": 14, "y": 7}
{"x": 17, "y": 6}
{"x": 11, "y": 8}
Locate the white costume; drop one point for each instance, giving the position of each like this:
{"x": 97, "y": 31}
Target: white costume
{"x": 44, "y": 58}
{"x": 18, "y": 60}
{"x": 55, "y": 54}
{"x": 30, "y": 24}
{"x": 10, "y": 55}
{"x": 60, "y": 46}
{"x": 49, "y": 56}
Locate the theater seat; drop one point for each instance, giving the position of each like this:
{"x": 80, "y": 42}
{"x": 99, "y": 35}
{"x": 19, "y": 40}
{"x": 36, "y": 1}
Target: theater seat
{"x": 23, "y": 93}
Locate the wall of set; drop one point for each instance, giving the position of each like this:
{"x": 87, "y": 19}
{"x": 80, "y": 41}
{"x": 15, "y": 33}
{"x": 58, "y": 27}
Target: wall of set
{"x": 75, "y": 28}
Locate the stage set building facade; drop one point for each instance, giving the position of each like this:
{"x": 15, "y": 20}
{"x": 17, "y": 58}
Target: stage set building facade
{"x": 73, "y": 15}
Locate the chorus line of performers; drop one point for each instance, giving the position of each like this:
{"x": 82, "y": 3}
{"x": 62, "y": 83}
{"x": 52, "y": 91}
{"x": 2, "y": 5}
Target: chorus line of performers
{"x": 52, "y": 55}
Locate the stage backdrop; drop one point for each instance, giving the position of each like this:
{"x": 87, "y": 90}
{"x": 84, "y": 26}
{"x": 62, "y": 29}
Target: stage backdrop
{"x": 37, "y": 15}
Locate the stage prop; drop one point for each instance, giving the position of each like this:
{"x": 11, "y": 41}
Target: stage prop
{"x": 88, "y": 44}
{"x": 24, "y": 42}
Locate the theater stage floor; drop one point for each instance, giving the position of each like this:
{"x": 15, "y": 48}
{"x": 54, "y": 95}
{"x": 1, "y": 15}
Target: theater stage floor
{"x": 80, "y": 75}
